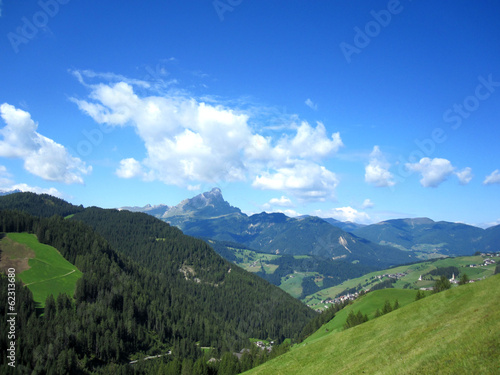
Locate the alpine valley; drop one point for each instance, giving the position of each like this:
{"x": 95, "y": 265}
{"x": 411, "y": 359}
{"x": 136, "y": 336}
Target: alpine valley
{"x": 189, "y": 289}
{"x": 306, "y": 254}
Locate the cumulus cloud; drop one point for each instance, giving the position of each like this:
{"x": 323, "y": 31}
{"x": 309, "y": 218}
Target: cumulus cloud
{"x": 367, "y": 203}
{"x": 345, "y": 214}
{"x": 129, "y": 168}
{"x": 433, "y": 171}
{"x": 282, "y": 202}
{"x": 305, "y": 180}
{"x": 308, "y": 142}
{"x": 377, "y": 171}
{"x": 42, "y": 156}
{"x": 493, "y": 178}
{"x": 7, "y": 184}
{"x": 278, "y": 205}
{"x": 189, "y": 142}
{"x": 311, "y": 104}
{"x": 464, "y": 176}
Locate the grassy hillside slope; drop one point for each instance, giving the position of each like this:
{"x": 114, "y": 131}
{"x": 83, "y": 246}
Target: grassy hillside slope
{"x": 451, "y": 332}
{"x": 367, "y": 304}
{"x": 48, "y": 273}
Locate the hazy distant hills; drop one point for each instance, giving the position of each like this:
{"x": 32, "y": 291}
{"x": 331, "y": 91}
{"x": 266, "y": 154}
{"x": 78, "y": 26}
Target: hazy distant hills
{"x": 348, "y": 226}
{"x": 491, "y": 239}
{"x": 208, "y": 215}
{"x": 428, "y": 238}
{"x": 2, "y": 193}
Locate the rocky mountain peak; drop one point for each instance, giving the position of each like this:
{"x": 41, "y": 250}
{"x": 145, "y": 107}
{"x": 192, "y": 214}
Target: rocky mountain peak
{"x": 207, "y": 204}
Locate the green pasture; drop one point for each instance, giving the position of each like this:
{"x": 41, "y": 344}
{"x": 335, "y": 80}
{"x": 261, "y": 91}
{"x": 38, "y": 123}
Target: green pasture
{"x": 367, "y": 304}
{"x": 49, "y": 272}
{"x": 253, "y": 261}
{"x": 292, "y": 284}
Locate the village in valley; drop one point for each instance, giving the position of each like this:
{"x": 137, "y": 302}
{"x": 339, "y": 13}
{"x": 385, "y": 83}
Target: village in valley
{"x": 415, "y": 276}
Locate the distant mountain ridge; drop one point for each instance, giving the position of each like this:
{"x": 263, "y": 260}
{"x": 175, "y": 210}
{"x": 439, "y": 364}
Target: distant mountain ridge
{"x": 426, "y": 237}
{"x": 208, "y": 215}
{"x": 348, "y": 226}
{"x": 491, "y": 239}
{"x": 7, "y": 192}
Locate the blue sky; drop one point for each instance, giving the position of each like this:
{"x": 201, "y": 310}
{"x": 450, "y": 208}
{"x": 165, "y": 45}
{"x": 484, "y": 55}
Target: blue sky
{"x": 361, "y": 111}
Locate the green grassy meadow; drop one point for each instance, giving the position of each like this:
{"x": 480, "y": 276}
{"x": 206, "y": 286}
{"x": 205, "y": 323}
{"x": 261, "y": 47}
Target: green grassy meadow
{"x": 292, "y": 284}
{"x": 253, "y": 261}
{"x": 452, "y": 332}
{"x": 367, "y": 304}
{"x": 49, "y": 272}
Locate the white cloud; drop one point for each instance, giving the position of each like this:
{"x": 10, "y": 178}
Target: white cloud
{"x": 282, "y": 202}
{"x": 464, "y": 176}
{"x": 129, "y": 168}
{"x": 312, "y": 142}
{"x": 307, "y": 143}
{"x": 492, "y": 224}
{"x": 345, "y": 214}
{"x": 289, "y": 213}
{"x": 35, "y": 189}
{"x": 7, "y": 184}
{"x": 189, "y": 142}
{"x": 277, "y": 202}
{"x": 305, "y": 180}
{"x": 42, "y": 156}
{"x": 367, "y": 203}
{"x": 109, "y": 77}
{"x": 377, "y": 171}
{"x": 493, "y": 178}
{"x": 311, "y": 104}
{"x": 433, "y": 171}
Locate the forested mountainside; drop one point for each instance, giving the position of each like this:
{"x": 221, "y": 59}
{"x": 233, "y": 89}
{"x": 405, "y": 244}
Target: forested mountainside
{"x": 149, "y": 290}
{"x": 213, "y": 281}
{"x": 208, "y": 215}
{"x": 38, "y": 204}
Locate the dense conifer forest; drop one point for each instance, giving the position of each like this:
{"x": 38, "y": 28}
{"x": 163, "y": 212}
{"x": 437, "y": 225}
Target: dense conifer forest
{"x": 146, "y": 288}
{"x": 43, "y": 205}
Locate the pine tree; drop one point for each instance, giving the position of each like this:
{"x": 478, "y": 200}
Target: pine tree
{"x": 419, "y": 295}
{"x": 442, "y": 284}
{"x": 396, "y": 305}
{"x": 464, "y": 279}
{"x": 387, "y": 307}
